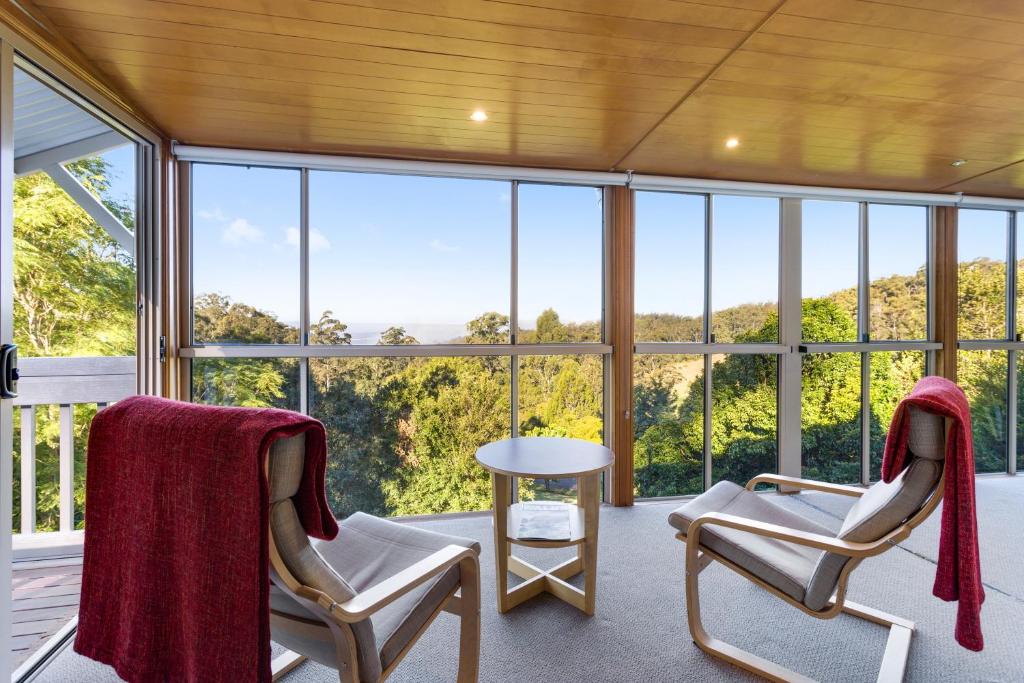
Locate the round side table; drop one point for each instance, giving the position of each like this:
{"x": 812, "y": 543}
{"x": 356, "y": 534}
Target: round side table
{"x": 544, "y": 457}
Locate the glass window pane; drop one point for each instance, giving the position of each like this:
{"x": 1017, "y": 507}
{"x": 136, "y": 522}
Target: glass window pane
{"x": 668, "y": 425}
{"x": 744, "y": 426}
{"x": 981, "y": 285}
{"x": 561, "y": 238}
{"x": 408, "y": 259}
{"x": 831, "y": 238}
{"x": 897, "y": 259}
{"x": 745, "y": 269}
{"x": 245, "y": 257}
{"x": 893, "y": 375}
{"x": 561, "y": 396}
{"x": 403, "y": 432}
{"x": 983, "y": 377}
{"x": 830, "y": 417}
{"x": 669, "y": 267}
{"x": 250, "y": 382}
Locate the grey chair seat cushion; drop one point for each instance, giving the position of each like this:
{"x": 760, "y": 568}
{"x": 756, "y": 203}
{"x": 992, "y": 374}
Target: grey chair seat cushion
{"x": 785, "y": 566}
{"x": 369, "y": 550}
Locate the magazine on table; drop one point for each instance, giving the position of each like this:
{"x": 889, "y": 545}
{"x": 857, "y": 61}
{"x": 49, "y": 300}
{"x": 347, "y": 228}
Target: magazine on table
{"x": 542, "y": 521}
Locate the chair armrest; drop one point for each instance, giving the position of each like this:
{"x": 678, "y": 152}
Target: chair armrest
{"x": 809, "y": 484}
{"x": 782, "y": 533}
{"x": 390, "y": 589}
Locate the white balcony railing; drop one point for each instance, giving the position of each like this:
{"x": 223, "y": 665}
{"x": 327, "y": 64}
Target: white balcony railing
{"x": 64, "y": 382}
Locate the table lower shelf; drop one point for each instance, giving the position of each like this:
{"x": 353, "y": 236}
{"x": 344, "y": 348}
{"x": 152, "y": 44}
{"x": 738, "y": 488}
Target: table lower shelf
{"x": 577, "y": 528}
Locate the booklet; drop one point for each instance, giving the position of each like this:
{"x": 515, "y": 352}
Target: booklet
{"x": 541, "y": 521}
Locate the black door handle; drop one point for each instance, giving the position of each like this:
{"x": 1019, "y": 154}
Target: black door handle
{"x": 9, "y": 371}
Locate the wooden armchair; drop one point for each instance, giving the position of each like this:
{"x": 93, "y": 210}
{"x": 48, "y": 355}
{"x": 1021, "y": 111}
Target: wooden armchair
{"x": 360, "y": 602}
{"x": 803, "y": 563}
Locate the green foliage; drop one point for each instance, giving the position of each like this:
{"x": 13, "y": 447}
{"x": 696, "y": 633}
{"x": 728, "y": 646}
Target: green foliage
{"x": 74, "y": 295}
{"x": 217, "y": 319}
{"x": 74, "y": 288}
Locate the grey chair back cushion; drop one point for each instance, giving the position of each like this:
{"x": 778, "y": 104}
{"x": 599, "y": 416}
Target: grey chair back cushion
{"x": 884, "y": 507}
{"x": 298, "y": 554}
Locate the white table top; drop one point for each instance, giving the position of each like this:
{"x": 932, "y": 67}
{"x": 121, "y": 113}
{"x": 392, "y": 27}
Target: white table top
{"x": 544, "y": 457}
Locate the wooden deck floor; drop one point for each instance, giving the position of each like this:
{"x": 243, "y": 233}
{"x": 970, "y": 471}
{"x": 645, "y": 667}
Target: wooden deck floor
{"x": 45, "y": 597}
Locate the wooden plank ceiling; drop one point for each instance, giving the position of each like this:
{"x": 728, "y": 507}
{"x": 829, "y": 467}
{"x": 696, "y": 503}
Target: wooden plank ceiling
{"x": 874, "y": 94}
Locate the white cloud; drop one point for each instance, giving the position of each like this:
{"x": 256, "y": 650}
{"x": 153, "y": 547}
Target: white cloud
{"x": 317, "y": 240}
{"x": 215, "y": 215}
{"x": 240, "y": 230}
{"x": 505, "y": 198}
{"x": 438, "y": 245}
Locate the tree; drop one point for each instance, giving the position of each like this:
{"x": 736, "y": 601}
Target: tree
{"x": 74, "y": 287}
{"x": 549, "y": 327}
{"x": 489, "y": 328}
{"x": 396, "y": 336}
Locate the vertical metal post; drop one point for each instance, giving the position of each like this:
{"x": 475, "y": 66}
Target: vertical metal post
{"x": 708, "y": 455}
{"x": 865, "y": 418}
{"x": 304, "y": 288}
{"x": 1011, "y": 334}
{"x": 1011, "y": 411}
{"x": 513, "y": 319}
{"x": 708, "y": 361}
{"x": 609, "y": 418}
{"x": 864, "y": 335}
{"x": 708, "y": 235}
{"x": 932, "y": 289}
{"x": 790, "y": 333}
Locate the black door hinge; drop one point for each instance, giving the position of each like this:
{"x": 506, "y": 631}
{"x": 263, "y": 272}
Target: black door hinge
{"x": 163, "y": 349}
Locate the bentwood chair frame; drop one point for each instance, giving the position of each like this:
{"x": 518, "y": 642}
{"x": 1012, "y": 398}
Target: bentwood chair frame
{"x": 463, "y": 601}
{"x": 698, "y": 557}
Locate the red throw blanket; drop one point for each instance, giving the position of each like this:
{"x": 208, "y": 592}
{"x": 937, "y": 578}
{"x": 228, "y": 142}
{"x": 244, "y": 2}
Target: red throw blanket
{"x": 175, "y": 579}
{"x": 958, "y": 576}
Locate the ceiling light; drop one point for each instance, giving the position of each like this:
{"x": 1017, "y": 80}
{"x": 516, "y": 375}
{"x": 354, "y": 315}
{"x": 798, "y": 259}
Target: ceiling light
{"x": 959, "y": 162}
{"x": 479, "y": 115}
{"x": 732, "y": 143}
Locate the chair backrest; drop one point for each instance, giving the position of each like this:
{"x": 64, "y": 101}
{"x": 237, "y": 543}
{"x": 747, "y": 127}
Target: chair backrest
{"x": 887, "y": 506}
{"x": 302, "y": 563}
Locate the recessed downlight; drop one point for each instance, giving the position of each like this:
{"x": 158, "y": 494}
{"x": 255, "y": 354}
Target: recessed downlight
{"x": 958, "y": 162}
{"x": 732, "y": 143}
{"x": 479, "y": 115}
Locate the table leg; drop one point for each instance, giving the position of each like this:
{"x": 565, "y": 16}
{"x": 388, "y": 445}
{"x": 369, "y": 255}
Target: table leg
{"x": 502, "y": 489}
{"x": 589, "y": 498}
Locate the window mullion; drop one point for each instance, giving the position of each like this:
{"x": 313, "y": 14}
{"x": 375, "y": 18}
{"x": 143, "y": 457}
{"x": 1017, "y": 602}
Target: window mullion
{"x": 864, "y": 335}
{"x": 708, "y": 338}
{"x": 1011, "y": 333}
{"x": 789, "y": 380}
{"x": 513, "y": 320}
{"x": 304, "y": 288}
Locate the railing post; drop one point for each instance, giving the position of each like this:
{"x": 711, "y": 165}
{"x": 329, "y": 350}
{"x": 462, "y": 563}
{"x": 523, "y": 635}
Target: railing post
{"x": 28, "y": 469}
{"x": 67, "y": 467}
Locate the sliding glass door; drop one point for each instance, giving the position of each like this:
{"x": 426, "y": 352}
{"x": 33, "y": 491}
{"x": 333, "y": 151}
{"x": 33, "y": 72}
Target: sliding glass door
{"x": 74, "y": 210}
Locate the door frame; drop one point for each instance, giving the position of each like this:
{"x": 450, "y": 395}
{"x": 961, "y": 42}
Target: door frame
{"x": 24, "y": 45}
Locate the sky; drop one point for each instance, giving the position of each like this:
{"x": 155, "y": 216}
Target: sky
{"x": 436, "y": 252}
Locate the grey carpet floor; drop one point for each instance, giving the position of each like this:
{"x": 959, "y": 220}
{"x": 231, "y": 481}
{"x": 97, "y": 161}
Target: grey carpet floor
{"x": 639, "y": 632}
